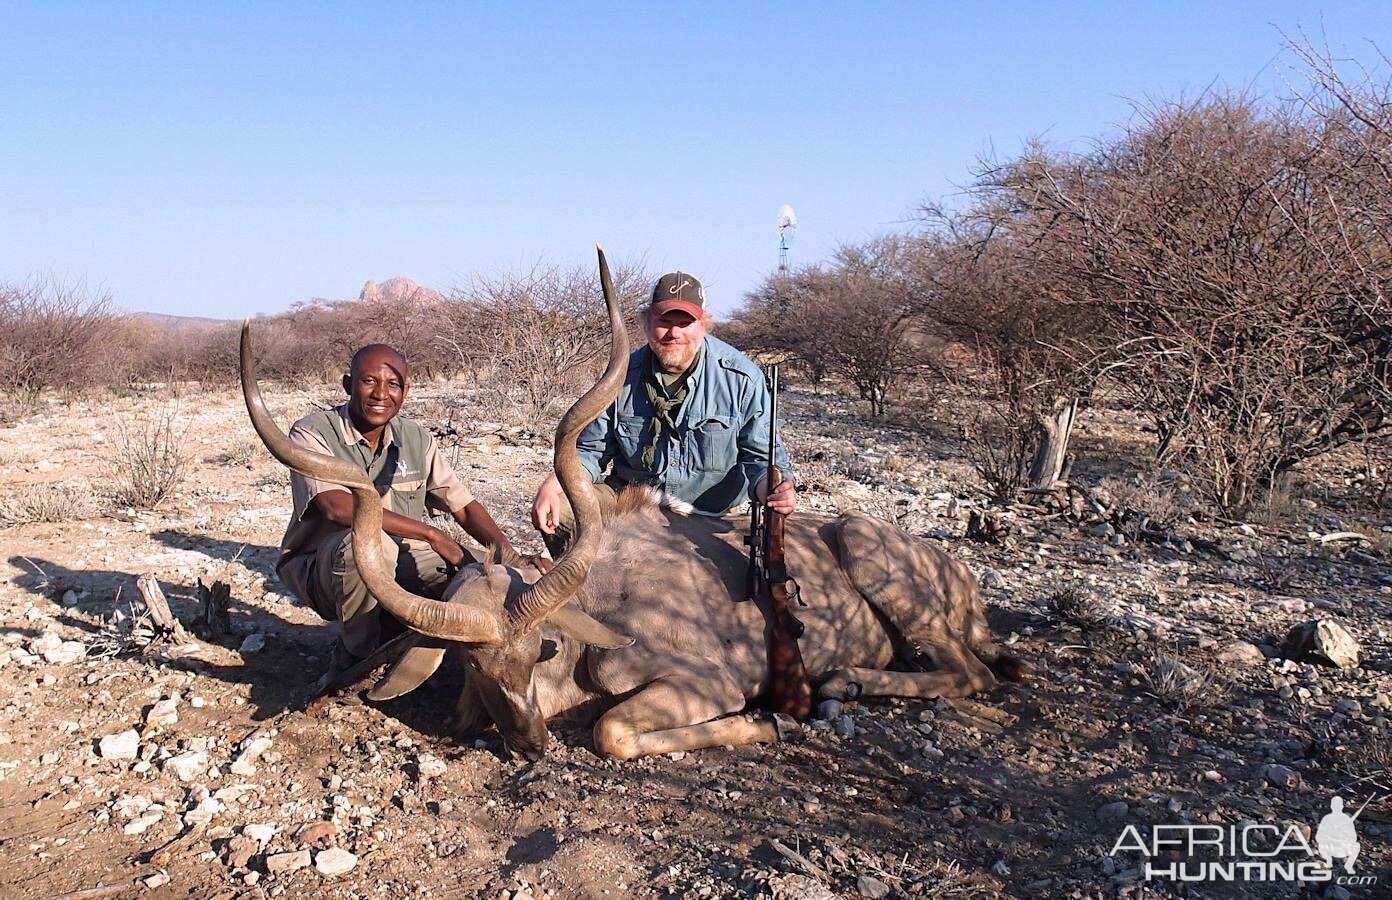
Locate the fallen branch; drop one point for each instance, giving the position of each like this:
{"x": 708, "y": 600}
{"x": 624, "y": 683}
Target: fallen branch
{"x": 1092, "y": 504}
{"x": 180, "y": 842}
{"x": 797, "y": 859}
{"x": 93, "y": 893}
{"x": 165, "y": 624}
{"x": 1342, "y": 536}
{"x": 966, "y": 719}
{"x": 981, "y": 710}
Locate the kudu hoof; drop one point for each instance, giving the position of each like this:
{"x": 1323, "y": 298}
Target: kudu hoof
{"x": 788, "y": 728}
{"x": 839, "y": 687}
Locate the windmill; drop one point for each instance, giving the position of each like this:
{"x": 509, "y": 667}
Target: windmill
{"x": 787, "y": 229}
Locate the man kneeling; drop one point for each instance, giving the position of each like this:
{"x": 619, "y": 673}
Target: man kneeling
{"x": 404, "y": 461}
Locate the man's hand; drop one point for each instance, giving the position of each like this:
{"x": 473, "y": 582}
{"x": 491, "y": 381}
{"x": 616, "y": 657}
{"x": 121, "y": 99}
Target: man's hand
{"x": 541, "y": 564}
{"x": 448, "y": 548}
{"x": 784, "y": 499}
{"x": 546, "y": 508}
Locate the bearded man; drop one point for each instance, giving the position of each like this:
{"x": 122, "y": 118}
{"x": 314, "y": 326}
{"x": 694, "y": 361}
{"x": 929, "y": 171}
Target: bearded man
{"x": 692, "y": 419}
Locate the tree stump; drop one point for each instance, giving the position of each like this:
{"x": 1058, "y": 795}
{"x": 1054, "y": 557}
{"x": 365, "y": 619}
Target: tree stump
{"x": 213, "y": 622}
{"x": 986, "y": 527}
{"x": 1050, "y": 464}
{"x": 162, "y": 620}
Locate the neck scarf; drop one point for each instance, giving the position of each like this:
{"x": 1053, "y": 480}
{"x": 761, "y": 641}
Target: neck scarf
{"x": 665, "y": 403}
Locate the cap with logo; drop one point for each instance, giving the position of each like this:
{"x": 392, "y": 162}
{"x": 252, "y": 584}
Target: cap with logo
{"x": 678, "y": 291}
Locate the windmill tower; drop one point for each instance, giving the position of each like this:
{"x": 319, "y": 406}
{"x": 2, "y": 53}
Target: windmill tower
{"x": 787, "y": 230}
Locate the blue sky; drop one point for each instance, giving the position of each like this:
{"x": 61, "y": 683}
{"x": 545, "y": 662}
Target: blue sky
{"x": 229, "y": 159}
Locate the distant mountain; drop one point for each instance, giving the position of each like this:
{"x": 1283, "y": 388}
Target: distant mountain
{"x": 392, "y": 290}
{"x": 162, "y": 322}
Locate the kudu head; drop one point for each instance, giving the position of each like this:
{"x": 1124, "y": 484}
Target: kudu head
{"x": 493, "y": 612}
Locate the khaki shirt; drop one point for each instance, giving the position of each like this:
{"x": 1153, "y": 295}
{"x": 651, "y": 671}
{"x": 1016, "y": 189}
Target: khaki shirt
{"x": 408, "y": 469}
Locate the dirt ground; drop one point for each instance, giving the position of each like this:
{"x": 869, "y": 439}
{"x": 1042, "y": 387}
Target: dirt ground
{"x": 1023, "y": 793}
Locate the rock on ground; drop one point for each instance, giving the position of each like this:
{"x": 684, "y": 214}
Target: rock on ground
{"x": 334, "y": 861}
{"x": 165, "y": 712}
{"x": 1322, "y": 640}
{"x": 1242, "y": 653}
{"x": 123, "y": 745}
{"x": 277, "y": 863}
{"x": 187, "y": 766}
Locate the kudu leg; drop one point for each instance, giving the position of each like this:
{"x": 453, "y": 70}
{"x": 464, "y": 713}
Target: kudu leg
{"x": 959, "y": 674}
{"x": 933, "y": 601}
{"x": 676, "y": 714}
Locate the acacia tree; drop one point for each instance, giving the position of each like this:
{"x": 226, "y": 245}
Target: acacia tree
{"x": 1354, "y": 157}
{"x": 537, "y": 337}
{"x": 412, "y": 324}
{"x": 1247, "y": 308}
{"x": 852, "y": 318}
{"x": 55, "y": 335}
{"x": 776, "y": 319}
{"x": 986, "y": 297}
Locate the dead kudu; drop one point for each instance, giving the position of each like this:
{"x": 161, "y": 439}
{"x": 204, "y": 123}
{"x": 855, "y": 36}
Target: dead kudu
{"x": 538, "y": 645}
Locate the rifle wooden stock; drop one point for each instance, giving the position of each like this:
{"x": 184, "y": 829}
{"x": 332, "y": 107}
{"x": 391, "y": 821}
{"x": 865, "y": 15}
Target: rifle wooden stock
{"x": 790, "y": 691}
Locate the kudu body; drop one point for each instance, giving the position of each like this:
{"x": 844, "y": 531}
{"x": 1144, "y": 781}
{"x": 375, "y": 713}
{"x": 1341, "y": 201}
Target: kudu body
{"x": 537, "y": 646}
{"x": 676, "y": 584}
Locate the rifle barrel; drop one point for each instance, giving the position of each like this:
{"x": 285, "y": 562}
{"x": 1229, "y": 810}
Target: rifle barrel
{"x": 773, "y": 421}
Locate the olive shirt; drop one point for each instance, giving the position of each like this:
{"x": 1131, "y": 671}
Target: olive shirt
{"x": 408, "y": 469}
{"x": 719, "y": 449}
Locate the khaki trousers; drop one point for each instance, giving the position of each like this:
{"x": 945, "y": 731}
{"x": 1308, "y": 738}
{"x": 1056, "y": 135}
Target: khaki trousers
{"x": 328, "y": 581}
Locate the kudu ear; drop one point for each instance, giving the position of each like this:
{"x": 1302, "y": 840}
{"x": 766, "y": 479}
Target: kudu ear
{"x": 411, "y": 670}
{"x": 573, "y": 623}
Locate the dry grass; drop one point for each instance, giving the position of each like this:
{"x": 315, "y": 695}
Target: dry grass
{"x": 123, "y": 633}
{"x": 150, "y": 461}
{"x": 947, "y": 878}
{"x": 1179, "y": 685}
{"x": 1078, "y": 608}
{"x": 1147, "y": 494}
{"x": 241, "y": 455}
{"x": 53, "y": 501}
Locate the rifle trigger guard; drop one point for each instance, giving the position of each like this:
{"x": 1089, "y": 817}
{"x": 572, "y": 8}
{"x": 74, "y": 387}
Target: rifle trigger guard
{"x": 794, "y": 591}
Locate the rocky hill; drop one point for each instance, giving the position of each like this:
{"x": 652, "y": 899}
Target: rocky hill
{"x": 162, "y": 322}
{"x": 398, "y": 289}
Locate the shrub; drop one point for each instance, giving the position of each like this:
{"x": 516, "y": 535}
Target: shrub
{"x": 55, "y": 336}
{"x": 150, "y": 461}
{"x": 1079, "y": 608}
{"x": 1233, "y": 255}
{"x": 1179, "y": 685}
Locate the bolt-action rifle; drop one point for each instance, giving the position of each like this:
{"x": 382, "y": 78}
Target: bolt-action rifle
{"x": 790, "y": 692}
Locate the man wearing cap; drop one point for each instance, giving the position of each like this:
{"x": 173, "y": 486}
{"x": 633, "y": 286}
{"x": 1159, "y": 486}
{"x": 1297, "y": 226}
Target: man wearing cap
{"x": 691, "y": 419}
{"x": 404, "y": 460}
